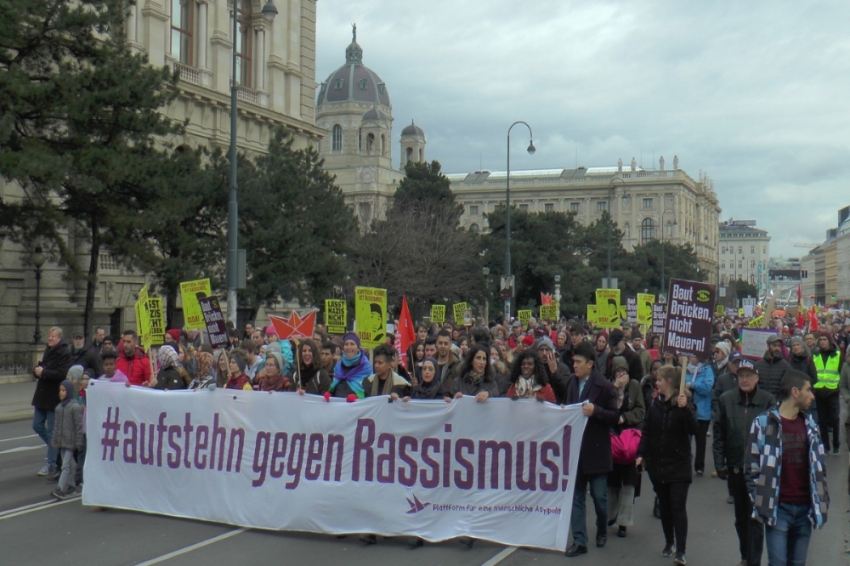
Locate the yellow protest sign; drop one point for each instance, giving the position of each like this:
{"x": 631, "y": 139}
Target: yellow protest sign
{"x": 591, "y": 314}
{"x": 644, "y": 308}
{"x": 720, "y": 310}
{"x": 438, "y": 313}
{"x": 549, "y": 312}
{"x": 370, "y": 310}
{"x": 457, "y": 311}
{"x": 756, "y": 322}
{"x": 608, "y": 308}
{"x": 156, "y": 322}
{"x": 336, "y": 313}
{"x": 523, "y": 317}
{"x": 741, "y": 312}
{"x": 142, "y": 318}
{"x": 190, "y": 292}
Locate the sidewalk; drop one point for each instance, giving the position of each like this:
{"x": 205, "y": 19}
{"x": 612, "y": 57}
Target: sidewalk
{"x": 15, "y": 400}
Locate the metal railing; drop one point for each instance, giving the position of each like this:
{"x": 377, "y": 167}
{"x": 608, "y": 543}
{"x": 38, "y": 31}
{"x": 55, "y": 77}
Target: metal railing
{"x": 15, "y": 363}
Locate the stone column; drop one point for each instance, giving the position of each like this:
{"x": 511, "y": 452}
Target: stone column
{"x": 131, "y": 24}
{"x": 260, "y": 58}
{"x": 201, "y": 62}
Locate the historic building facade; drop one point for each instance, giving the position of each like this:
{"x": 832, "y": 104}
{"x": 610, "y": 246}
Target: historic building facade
{"x": 647, "y": 205}
{"x": 354, "y": 107}
{"x": 276, "y": 76}
{"x": 744, "y": 254}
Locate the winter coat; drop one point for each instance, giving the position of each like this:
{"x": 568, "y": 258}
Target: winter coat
{"x": 559, "y": 381}
{"x": 804, "y": 364}
{"x": 701, "y": 386}
{"x": 169, "y": 378}
{"x": 735, "y": 413}
{"x": 394, "y": 384}
{"x": 89, "y": 357}
{"x": 436, "y": 391}
{"x": 545, "y": 393}
{"x": 724, "y": 382}
{"x": 595, "y": 457}
{"x": 771, "y": 371}
{"x": 68, "y": 426}
{"x": 55, "y": 363}
{"x": 632, "y": 358}
{"x": 844, "y": 384}
{"x": 665, "y": 444}
{"x": 633, "y": 409}
{"x": 137, "y": 368}
{"x": 314, "y": 382}
{"x": 764, "y": 466}
{"x": 466, "y": 386}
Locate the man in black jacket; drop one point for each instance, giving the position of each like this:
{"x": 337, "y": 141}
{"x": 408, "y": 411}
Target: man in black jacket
{"x": 619, "y": 347}
{"x": 85, "y": 355}
{"x": 557, "y": 372}
{"x": 736, "y": 410}
{"x": 773, "y": 367}
{"x": 589, "y": 386}
{"x": 50, "y": 371}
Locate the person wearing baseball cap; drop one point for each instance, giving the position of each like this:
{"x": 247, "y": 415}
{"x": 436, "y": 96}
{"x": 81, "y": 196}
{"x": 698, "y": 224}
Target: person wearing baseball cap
{"x": 773, "y": 367}
{"x": 736, "y": 410}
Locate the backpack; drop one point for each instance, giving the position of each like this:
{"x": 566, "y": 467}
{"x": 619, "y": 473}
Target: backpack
{"x": 624, "y": 447}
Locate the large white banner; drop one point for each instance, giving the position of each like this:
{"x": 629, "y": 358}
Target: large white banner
{"x": 500, "y": 470}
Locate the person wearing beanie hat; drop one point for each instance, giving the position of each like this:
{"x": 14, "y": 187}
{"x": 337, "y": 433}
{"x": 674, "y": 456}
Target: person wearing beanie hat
{"x": 67, "y": 436}
{"x": 172, "y": 336}
{"x": 238, "y": 379}
{"x": 557, "y": 373}
{"x": 350, "y": 371}
{"x": 720, "y": 357}
{"x": 617, "y": 346}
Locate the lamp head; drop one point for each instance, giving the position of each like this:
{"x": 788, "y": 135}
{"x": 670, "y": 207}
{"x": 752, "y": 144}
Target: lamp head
{"x": 531, "y": 148}
{"x": 37, "y": 257}
{"x": 485, "y": 270}
{"x": 269, "y": 11}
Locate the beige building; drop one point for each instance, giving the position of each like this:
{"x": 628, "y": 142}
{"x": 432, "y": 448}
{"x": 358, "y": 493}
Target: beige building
{"x": 827, "y": 267}
{"x": 647, "y": 205}
{"x": 744, "y": 254}
{"x": 354, "y": 107}
{"x": 276, "y": 72}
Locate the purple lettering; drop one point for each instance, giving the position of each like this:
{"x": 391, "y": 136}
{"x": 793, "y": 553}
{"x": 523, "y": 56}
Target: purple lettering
{"x": 236, "y": 434}
{"x": 427, "y": 482}
{"x": 495, "y": 448}
{"x": 187, "y": 441}
{"x": 160, "y": 432}
{"x": 461, "y": 480}
{"x": 362, "y": 444}
{"x": 314, "y": 457}
{"x": 531, "y": 483}
{"x": 407, "y": 479}
{"x": 565, "y": 456}
{"x": 549, "y": 483}
{"x": 387, "y": 458}
{"x": 280, "y": 440}
{"x": 130, "y": 433}
{"x": 447, "y": 461}
{"x": 293, "y": 467}
{"x": 201, "y": 432}
{"x": 335, "y": 443}
{"x": 261, "y": 449}
{"x": 143, "y": 459}
{"x": 218, "y": 436}
{"x": 173, "y": 459}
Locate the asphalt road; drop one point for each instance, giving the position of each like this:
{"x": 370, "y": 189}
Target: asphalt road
{"x": 36, "y": 530}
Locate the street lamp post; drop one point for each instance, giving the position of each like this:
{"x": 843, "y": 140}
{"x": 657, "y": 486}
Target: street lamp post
{"x": 486, "y": 272}
{"x": 610, "y": 221}
{"x": 531, "y": 150}
{"x": 663, "y": 286}
{"x": 38, "y": 261}
{"x": 269, "y": 11}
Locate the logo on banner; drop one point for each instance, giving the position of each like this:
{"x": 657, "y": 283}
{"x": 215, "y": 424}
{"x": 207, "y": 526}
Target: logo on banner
{"x": 416, "y": 506}
{"x": 294, "y": 326}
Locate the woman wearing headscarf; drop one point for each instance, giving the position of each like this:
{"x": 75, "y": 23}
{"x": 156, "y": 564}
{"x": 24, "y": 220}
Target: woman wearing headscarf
{"x": 311, "y": 377}
{"x": 237, "y": 379}
{"x": 271, "y": 377}
{"x": 720, "y": 358}
{"x": 602, "y": 350}
{"x": 476, "y": 376}
{"x": 624, "y": 479}
{"x": 429, "y": 387}
{"x": 204, "y": 377}
{"x": 529, "y": 379}
{"x": 171, "y": 374}
{"x": 350, "y": 371}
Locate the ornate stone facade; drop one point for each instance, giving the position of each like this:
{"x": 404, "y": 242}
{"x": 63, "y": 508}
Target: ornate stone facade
{"x": 276, "y": 68}
{"x": 642, "y": 202}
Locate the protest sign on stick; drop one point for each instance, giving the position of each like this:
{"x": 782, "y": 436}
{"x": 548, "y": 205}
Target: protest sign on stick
{"x": 214, "y": 321}
{"x": 370, "y": 309}
{"x": 190, "y": 292}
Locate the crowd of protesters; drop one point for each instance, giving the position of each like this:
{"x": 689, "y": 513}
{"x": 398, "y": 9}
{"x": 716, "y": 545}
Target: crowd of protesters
{"x": 783, "y": 407}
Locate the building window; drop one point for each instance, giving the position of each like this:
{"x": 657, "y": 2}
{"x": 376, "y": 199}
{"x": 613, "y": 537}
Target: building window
{"x": 549, "y": 207}
{"x": 244, "y": 44}
{"x": 627, "y": 231}
{"x": 473, "y": 209}
{"x": 337, "y": 138}
{"x": 362, "y": 84}
{"x": 601, "y": 206}
{"x": 181, "y": 30}
{"x": 574, "y": 207}
{"x": 647, "y": 203}
{"x": 740, "y": 265}
{"x": 474, "y": 228}
{"x": 740, "y": 249}
{"x": 370, "y": 143}
{"x": 752, "y": 264}
{"x": 722, "y": 265}
{"x": 764, "y": 250}
{"x": 409, "y": 153}
{"x": 523, "y": 207}
{"x": 647, "y": 230}
{"x": 752, "y": 249}
{"x": 338, "y": 84}
{"x": 360, "y": 140}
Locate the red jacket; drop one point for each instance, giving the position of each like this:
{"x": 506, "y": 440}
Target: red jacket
{"x": 545, "y": 393}
{"x": 137, "y": 368}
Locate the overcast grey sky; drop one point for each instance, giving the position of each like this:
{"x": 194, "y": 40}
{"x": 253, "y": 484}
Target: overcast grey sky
{"x": 757, "y": 94}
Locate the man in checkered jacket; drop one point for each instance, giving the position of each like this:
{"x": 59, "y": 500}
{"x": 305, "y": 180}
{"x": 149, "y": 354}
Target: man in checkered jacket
{"x": 785, "y": 472}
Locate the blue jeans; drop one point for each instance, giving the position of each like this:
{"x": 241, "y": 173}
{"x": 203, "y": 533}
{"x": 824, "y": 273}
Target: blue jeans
{"x": 42, "y": 425}
{"x": 599, "y": 493}
{"x": 788, "y": 541}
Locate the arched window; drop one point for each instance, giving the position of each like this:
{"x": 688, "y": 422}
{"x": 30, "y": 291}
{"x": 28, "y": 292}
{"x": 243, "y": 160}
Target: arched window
{"x": 421, "y": 155}
{"x": 384, "y": 147}
{"x": 474, "y": 228}
{"x": 627, "y": 231}
{"x": 647, "y": 230}
{"x": 337, "y": 138}
{"x": 360, "y": 140}
{"x": 182, "y": 22}
{"x": 370, "y": 143}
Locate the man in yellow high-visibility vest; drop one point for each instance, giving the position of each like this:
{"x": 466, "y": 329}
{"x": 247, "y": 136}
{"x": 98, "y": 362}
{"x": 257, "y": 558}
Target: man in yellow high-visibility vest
{"x": 827, "y": 362}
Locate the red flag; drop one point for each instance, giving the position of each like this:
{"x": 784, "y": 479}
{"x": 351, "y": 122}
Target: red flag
{"x": 546, "y": 299}
{"x": 799, "y": 294}
{"x": 405, "y": 333}
{"x": 294, "y": 326}
{"x": 813, "y": 321}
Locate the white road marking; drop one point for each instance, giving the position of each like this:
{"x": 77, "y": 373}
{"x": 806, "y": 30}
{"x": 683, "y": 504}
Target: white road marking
{"x": 22, "y": 449}
{"x": 18, "y": 438}
{"x": 191, "y": 548}
{"x": 501, "y": 556}
{"x": 34, "y": 507}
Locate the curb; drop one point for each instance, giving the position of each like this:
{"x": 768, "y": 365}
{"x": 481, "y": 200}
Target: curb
{"x": 16, "y": 416}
